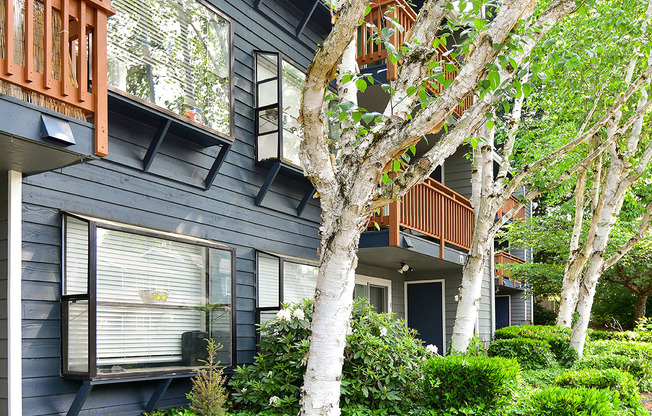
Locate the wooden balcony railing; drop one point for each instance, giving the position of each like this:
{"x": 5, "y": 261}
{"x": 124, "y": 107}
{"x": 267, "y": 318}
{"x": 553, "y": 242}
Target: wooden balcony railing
{"x": 504, "y": 258}
{"x": 511, "y": 203}
{"x": 53, "y": 54}
{"x": 370, "y": 52}
{"x": 432, "y": 210}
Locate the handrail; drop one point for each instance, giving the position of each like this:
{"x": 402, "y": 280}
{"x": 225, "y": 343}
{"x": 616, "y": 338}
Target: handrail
{"x": 509, "y": 204}
{"x": 54, "y": 52}
{"x": 433, "y": 210}
{"x": 503, "y": 257}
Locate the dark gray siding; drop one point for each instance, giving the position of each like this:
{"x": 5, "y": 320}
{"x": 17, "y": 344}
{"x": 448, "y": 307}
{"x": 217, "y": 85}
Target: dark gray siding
{"x": 4, "y": 206}
{"x": 170, "y": 198}
{"x": 485, "y": 314}
{"x": 457, "y": 172}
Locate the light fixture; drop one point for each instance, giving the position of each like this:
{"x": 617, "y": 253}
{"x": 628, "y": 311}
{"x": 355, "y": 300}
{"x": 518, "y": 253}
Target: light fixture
{"x": 404, "y": 267}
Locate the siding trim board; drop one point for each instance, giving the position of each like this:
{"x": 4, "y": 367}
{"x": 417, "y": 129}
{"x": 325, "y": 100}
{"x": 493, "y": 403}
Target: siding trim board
{"x": 14, "y": 294}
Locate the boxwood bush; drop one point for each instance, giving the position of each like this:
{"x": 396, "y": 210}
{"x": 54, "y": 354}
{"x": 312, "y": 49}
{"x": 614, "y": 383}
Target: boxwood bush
{"x": 557, "y": 337}
{"x": 616, "y": 380}
{"x": 544, "y": 377}
{"x": 639, "y": 368}
{"x": 639, "y": 336}
{"x": 631, "y": 349}
{"x": 558, "y": 401}
{"x": 470, "y": 385}
{"x": 532, "y": 354}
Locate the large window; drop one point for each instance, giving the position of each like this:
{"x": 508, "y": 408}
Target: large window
{"x": 277, "y": 138}
{"x": 282, "y": 280}
{"x": 175, "y": 54}
{"x": 136, "y": 301}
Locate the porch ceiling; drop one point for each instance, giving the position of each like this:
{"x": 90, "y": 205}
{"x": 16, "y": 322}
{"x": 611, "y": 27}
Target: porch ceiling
{"x": 391, "y": 258}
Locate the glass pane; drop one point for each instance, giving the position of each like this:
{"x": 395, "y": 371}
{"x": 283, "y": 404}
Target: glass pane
{"x": 293, "y": 82}
{"x": 378, "y": 298}
{"x": 299, "y": 281}
{"x": 268, "y": 281}
{"x": 267, "y": 316}
{"x": 77, "y": 336}
{"x": 268, "y": 92}
{"x": 219, "y": 306}
{"x": 359, "y": 291}
{"x": 76, "y": 249}
{"x": 268, "y": 146}
{"x": 267, "y": 120}
{"x": 175, "y": 54}
{"x": 266, "y": 66}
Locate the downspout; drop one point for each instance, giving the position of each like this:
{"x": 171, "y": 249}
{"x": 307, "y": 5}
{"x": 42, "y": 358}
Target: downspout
{"x": 14, "y": 295}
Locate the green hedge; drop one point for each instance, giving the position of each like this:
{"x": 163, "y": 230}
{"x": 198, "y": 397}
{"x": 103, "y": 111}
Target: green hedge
{"x": 542, "y": 378}
{"x": 558, "y": 401}
{"x": 639, "y": 336}
{"x": 616, "y": 380}
{"x": 631, "y": 349}
{"x": 639, "y": 368}
{"x": 532, "y": 354}
{"x": 557, "y": 337}
{"x": 470, "y": 385}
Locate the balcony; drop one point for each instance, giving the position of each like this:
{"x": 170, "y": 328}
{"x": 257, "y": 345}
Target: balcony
{"x": 369, "y": 52}
{"x": 433, "y": 211}
{"x": 502, "y": 258}
{"x": 53, "y": 54}
{"x": 511, "y": 203}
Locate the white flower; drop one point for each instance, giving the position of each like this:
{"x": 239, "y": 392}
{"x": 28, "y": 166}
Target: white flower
{"x": 244, "y": 390}
{"x": 383, "y": 331}
{"x": 270, "y": 374}
{"x": 273, "y": 400}
{"x": 298, "y": 313}
{"x": 432, "y": 348}
{"x": 284, "y": 315}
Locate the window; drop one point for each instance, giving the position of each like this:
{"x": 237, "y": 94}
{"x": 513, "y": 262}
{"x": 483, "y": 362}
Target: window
{"x": 174, "y": 54}
{"x": 282, "y": 280}
{"x": 277, "y": 138}
{"x": 136, "y": 301}
{"x": 377, "y": 291}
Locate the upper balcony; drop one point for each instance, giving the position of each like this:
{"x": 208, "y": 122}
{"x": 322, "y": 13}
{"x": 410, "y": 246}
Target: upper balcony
{"x": 503, "y": 277}
{"x": 53, "y": 54}
{"x": 369, "y": 52}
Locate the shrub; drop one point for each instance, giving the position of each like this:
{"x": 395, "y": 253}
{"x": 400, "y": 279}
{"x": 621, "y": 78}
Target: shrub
{"x": 558, "y": 401}
{"x": 532, "y": 354}
{"x": 620, "y": 382}
{"x": 544, "y": 316}
{"x": 208, "y": 395}
{"x": 639, "y": 336}
{"x": 544, "y": 377}
{"x": 470, "y": 385}
{"x": 557, "y": 337}
{"x": 639, "y": 368}
{"x": 382, "y": 363}
{"x": 629, "y": 349}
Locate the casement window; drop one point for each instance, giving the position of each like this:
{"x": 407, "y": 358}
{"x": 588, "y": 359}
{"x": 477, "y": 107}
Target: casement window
{"x": 136, "y": 301}
{"x": 376, "y": 291}
{"x": 175, "y": 54}
{"x": 282, "y": 280}
{"x": 278, "y": 92}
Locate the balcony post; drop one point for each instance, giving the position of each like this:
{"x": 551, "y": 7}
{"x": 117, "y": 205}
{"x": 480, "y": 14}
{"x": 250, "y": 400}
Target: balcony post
{"x": 101, "y": 120}
{"x": 394, "y": 223}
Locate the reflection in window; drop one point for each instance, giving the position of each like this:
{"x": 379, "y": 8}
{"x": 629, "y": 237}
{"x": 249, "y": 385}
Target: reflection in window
{"x": 375, "y": 290}
{"x": 175, "y": 54}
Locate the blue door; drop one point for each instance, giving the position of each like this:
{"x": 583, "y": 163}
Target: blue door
{"x": 425, "y": 313}
{"x": 502, "y": 311}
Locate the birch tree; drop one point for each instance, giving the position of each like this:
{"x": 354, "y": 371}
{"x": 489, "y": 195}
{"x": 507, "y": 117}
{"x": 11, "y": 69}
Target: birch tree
{"x": 346, "y": 172}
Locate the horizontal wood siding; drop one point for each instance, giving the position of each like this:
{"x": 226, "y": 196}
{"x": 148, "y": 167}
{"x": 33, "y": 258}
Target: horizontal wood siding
{"x": 520, "y": 308}
{"x": 485, "y": 314}
{"x": 457, "y": 172}
{"x": 169, "y": 198}
{"x": 4, "y": 203}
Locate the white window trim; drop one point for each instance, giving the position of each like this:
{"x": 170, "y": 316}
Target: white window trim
{"x": 376, "y": 281}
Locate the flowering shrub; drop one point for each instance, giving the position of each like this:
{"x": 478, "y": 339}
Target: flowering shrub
{"x": 382, "y": 363}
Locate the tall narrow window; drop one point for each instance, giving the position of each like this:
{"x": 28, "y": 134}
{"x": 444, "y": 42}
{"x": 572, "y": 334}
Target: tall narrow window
{"x": 174, "y": 54}
{"x": 278, "y": 92}
{"x": 376, "y": 291}
{"x": 137, "y": 302}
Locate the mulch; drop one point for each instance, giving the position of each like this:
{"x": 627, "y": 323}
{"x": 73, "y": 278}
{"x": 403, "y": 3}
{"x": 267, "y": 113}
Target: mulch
{"x": 646, "y": 400}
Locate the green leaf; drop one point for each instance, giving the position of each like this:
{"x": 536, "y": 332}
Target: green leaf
{"x": 347, "y": 78}
{"x": 527, "y": 88}
{"x": 361, "y": 84}
{"x": 478, "y": 23}
{"x": 347, "y": 105}
{"x": 397, "y": 166}
{"x": 386, "y": 33}
{"x": 368, "y": 117}
{"x": 494, "y": 79}
{"x": 413, "y": 149}
{"x": 490, "y": 124}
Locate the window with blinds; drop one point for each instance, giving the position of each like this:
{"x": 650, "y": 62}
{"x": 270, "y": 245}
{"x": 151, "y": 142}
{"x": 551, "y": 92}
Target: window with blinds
{"x": 282, "y": 281}
{"x": 175, "y": 54}
{"x": 152, "y": 300}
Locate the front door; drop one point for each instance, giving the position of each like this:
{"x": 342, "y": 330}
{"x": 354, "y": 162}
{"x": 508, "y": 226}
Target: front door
{"x": 502, "y": 311}
{"x": 425, "y": 311}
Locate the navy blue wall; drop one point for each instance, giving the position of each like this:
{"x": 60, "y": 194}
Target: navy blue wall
{"x": 169, "y": 199}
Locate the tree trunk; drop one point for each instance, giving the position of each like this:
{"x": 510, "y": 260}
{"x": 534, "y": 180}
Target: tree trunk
{"x": 585, "y": 302}
{"x": 332, "y": 311}
{"x": 570, "y": 290}
{"x": 640, "y": 308}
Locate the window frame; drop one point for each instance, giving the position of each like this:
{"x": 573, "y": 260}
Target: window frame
{"x": 280, "y": 58}
{"x": 179, "y": 117}
{"x": 368, "y": 281}
{"x": 91, "y": 297}
{"x": 282, "y": 259}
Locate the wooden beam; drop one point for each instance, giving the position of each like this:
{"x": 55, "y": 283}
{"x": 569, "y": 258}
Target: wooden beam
{"x": 100, "y": 86}
{"x": 80, "y": 398}
{"x": 394, "y": 224}
{"x": 304, "y": 201}
{"x": 306, "y": 18}
{"x": 159, "y": 392}
{"x": 156, "y": 143}
{"x": 268, "y": 182}
{"x": 219, "y": 160}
